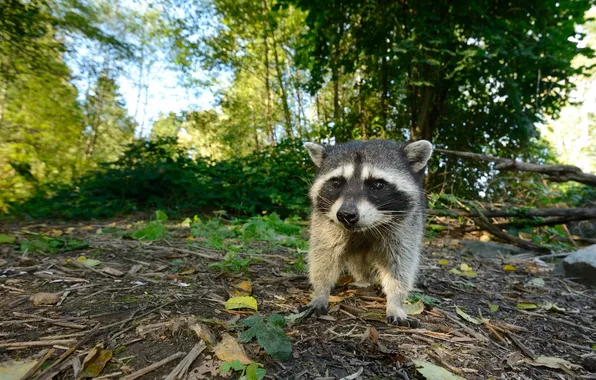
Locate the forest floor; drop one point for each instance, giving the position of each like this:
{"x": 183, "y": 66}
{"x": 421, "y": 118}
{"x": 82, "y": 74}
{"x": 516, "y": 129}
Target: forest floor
{"x": 137, "y": 305}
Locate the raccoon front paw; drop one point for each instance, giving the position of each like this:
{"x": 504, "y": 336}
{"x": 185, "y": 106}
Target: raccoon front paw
{"x": 405, "y": 322}
{"x": 398, "y": 316}
{"x": 314, "y": 307}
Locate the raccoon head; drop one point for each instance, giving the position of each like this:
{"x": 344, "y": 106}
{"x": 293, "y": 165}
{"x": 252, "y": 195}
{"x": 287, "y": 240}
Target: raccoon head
{"x": 362, "y": 185}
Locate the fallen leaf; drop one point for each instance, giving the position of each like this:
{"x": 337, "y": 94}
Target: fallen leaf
{"x": 414, "y": 308}
{"x": 56, "y": 233}
{"x": 88, "y": 262}
{"x": 526, "y": 306}
{"x": 549, "y": 306}
{"x": 15, "y": 370}
{"x": 552, "y": 362}
{"x": 244, "y": 302}
{"x": 434, "y": 372}
{"x": 297, "y": 318}
{"x": 203, "y": 332}
{"x": 535, "y": 283}
{"x": 39, "y": 299}
{"x": 187, "y": 270}
{"x": 243, "y": 288}
{"x": 207, "y": 367}
{"x": 335, "y": 299}
{"x": 373, "y": 316}
{"x": 493, "y": 308}
{"x": 509, "y": 268}
{"x": 6, "y": 239}
{"x": 443, "y": 262}
{"x": 465, "y": 267}
{"x": 229, "y": 350}
{"x": 112, "y": 271}
{"x": 469, "y": 274}
{"x": 95, "y": 361}
{"x": 467, "y": 317}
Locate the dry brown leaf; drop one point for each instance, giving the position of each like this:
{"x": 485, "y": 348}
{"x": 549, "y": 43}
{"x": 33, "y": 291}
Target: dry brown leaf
{"x": 243, "y": 288}
{"x": 203, "y": 332}
{"x": 95, "y": 361}
{"x": 39, "y": 299}
{"x": 112, "y": 271}
{"x": 229, "y": 350}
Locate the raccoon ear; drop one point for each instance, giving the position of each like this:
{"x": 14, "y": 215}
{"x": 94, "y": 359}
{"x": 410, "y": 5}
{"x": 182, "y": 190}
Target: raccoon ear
{"x": 316, "y": 152}
{"x": 418, "y": 153}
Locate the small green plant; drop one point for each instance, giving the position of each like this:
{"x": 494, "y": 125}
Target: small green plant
{"x": 248, "y": 372}
{"x": 232, "y": 262}
{"x": 427, "y": 300}
{"x": 44, "y": 244}
{"x": 270, "y": 335}
{"x": 153, "y": 230}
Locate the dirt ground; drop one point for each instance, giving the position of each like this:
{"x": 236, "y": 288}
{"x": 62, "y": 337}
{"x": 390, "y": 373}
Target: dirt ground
{"x": 143, "y": 310}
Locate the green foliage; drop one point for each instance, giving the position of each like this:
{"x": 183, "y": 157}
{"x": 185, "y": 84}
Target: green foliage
{"x": 232, "y": 262}
{"x": 153, "y": 230}
{"x": 248, "y": 372}
{"x": 270, "y": 335}
{"x": 44, "y": 244}
{"x": 159, "y": 173}
{"x": 7, "y": 239}
{"x": 427, "y": 300}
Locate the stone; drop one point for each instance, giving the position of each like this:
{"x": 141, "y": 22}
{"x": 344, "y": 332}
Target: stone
{"x": 489, "y": 250}
{"x": 582, "y": 264}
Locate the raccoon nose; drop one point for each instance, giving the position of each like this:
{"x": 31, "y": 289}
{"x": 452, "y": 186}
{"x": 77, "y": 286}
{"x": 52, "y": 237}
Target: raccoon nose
{"x": 348, "y": 215}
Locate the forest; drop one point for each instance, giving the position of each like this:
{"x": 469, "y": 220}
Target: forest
{"x": 154, "y": 186}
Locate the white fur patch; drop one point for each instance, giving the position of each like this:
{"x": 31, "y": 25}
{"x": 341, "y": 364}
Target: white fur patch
{"x": 369, "y": 215}
{"x": 333, "y": 211}
{"x": 346, "y": 171}
{"x": 401, "y": 181}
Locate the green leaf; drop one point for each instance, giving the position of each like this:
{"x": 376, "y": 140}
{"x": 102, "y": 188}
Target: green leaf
{"x": 270, "y": 337}
{"x": 276, "y": 320}
{"x": 237, "y": 365}
{"x": 152, "y": 231}
{"x": 414, "y": 308}
{"x": 7, "y": 239}
{"x": 535, "y": 283}
{"x": 434, "y": 372}
{"x": 467, "y": 317}
{"x": 252, "y": 372}
{"x": 161, "y": 216}
{"x": 526, "y": 306}
{"x": 493, "y": 308}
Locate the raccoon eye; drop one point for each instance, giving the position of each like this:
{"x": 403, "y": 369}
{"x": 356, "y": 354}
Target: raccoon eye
{"x": 378, "y": 184}
{"x": 337, "y": 182}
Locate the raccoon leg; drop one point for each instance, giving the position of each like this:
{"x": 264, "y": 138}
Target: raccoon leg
{"x": 396, "y": 285}
{"x": 324, "y": 270}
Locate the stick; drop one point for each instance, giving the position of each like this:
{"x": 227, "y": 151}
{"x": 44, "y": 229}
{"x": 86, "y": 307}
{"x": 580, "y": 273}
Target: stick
{"x": 46, "y": 374}
{"x": 185, "y": 363}
{"x": 519, "y": 344}
{"x": 555, "y": 173}
{"x": 37, "y": 343}
{"x": 460, "y": 324}
{"x": 38, "y": 364}
{"x": 56, "y": 322}
{"x": 153, "y": 366}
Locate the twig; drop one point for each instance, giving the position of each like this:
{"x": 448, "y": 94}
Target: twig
{"x": 460, "y": 324}
{"x": 153, "y": 366}
{"x": 38, "y": 364}
{"x": 519, "y": 344}
{"x": 185, "y": 363}
{"x": 569, "y": 323}
{"x": 37, "y": 343}
{"x": 50, "y": 320}
{"x": 46, "y": 374}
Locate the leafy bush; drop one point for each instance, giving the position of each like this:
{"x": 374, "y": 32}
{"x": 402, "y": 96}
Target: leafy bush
{"x": 160, "y": 174}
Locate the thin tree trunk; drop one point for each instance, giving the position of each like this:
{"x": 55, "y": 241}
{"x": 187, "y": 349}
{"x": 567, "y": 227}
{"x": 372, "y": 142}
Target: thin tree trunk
{"x": 267, "y": 86}
{"x": 284, "y": 94}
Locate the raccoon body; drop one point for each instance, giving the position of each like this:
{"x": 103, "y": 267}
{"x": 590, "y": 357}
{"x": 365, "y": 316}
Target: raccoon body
{"x": 368, "y": 212}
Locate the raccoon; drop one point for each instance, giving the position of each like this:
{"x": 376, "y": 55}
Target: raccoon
{"x": 368, "y": 213}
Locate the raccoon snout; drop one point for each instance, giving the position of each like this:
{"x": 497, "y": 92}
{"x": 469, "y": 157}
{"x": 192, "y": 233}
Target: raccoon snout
{"x": 348, "y": 215}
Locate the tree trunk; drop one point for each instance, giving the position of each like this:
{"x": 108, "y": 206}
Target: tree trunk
{"x": 284, "y": 94}
{"x": 267, "y": 86}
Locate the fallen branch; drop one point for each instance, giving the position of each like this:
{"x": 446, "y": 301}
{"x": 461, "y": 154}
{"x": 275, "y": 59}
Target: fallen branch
{"x": 483, "y": 222}
{"x": 153, "y": 366}
{"x": 555, "y": 173}
{"x": 578, "y": 213}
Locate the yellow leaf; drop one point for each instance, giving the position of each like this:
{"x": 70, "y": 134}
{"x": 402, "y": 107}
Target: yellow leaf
{"x": 509, "y": 268}
{"x": 443, "y": 262}
{"x": 38, "y": 299}
{"x": 335, "y": 299}
{"x": 243, "y": 288}
{"x": 465, "y": 267}
{"x": 95, "y": 362}
{"x": 229, "y": 350}
{"x": 245, "y": 302}
{"x": 414, "y": 308}
{"x": 469, "y": 274}
{"x": 15, "y": 370}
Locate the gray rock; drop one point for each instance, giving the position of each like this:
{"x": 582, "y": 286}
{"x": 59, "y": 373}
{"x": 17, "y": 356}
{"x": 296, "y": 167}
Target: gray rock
{"x": 490, "y": 250}
{"x": 582, "y": 264}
